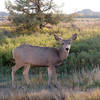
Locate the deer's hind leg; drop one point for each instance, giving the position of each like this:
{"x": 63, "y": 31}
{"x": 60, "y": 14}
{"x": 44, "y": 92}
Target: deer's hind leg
{"x": 14, "y": 69}
{"x": 25, "y": 73}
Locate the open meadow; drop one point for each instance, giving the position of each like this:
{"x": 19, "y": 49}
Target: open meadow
{"x": 78, "y": 76}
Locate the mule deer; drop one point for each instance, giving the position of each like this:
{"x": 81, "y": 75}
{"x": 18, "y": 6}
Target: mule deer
{"x": 27, "y": 55}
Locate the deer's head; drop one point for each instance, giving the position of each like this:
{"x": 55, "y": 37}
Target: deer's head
{"x": 66, "y": 44}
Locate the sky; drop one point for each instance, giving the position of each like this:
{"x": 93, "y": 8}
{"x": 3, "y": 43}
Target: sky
{"x": 68, "y": 6}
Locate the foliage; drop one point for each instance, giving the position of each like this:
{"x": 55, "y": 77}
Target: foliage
{"x": 26, "y": 14}
{"x": 84, "y": 52}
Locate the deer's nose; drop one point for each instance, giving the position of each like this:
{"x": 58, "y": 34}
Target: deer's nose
{"x": 67, "y": 49}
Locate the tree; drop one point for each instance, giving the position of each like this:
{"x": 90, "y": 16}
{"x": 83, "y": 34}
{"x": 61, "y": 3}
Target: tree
{"x": 32, "y": 13}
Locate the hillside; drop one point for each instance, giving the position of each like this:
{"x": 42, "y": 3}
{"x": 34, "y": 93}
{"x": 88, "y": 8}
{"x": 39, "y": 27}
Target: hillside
{"x": 2, "y": 14}
{"x": 87, "y": 13}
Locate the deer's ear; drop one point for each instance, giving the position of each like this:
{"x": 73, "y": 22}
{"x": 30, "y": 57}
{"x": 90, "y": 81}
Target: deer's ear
{"x": 58, "y": 39}
{"x": 74, "y": 37}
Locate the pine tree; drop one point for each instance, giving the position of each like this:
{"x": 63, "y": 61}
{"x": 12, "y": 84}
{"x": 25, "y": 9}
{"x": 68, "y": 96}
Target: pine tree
{"x": 32, "y": 13}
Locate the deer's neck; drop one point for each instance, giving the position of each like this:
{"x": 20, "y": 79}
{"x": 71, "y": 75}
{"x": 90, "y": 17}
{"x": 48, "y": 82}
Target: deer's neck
{"x": 63, "y": 53}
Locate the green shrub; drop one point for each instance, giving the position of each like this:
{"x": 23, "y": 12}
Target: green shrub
{"x": 84, "y": 52}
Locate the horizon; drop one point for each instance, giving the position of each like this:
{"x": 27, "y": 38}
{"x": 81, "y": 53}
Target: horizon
{"x": 67, "y": 6}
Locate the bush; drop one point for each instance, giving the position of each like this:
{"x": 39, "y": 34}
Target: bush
{"x": 84, "y": 52}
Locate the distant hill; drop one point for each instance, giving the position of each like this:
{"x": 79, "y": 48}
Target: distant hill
{"x": 87, "y": 13}
{"x": 3, "y": 14}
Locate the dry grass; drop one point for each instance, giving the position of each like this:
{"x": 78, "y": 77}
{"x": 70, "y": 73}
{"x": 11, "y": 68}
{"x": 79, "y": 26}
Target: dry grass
{"x": 54, "y": 94}
{"x": 79, "y": 86}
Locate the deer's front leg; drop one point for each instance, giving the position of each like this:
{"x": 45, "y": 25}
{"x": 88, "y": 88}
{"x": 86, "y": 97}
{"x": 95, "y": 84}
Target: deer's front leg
{"x": 52, "y": 74}
{"x": 55, "y": 77}
{"x": 49, "y": 76}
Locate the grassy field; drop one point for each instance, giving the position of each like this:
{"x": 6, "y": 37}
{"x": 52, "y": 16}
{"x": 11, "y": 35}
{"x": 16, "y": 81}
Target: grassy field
{"x": 53, "y": 94}
{"x": 78, "y": 76}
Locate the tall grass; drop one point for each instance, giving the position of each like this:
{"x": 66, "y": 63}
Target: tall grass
{"x": 73, "y": 87}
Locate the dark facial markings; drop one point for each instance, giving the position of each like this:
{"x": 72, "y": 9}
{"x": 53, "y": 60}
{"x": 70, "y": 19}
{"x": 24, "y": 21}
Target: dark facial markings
{"x": 67, "y": 49}
{"x": 66, "y": 44}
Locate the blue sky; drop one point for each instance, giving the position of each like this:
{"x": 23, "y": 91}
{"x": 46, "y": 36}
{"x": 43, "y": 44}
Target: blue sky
{"x": 69, "y": 6}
